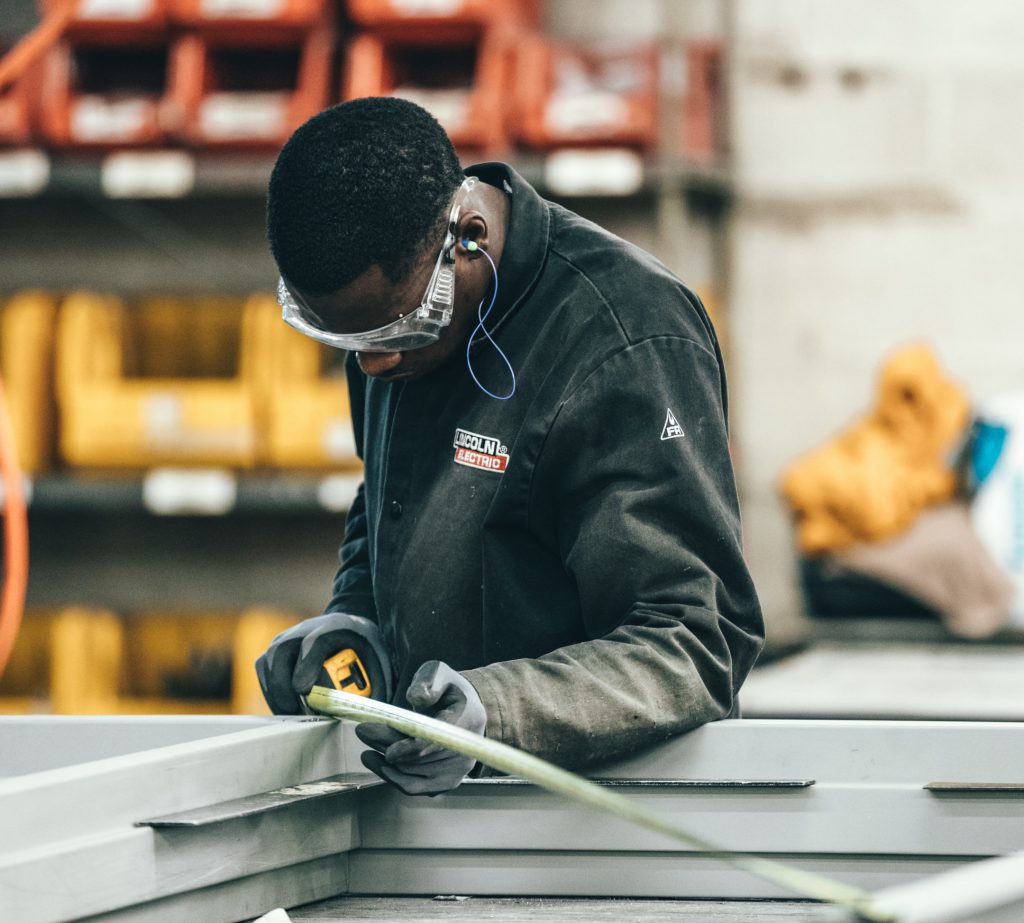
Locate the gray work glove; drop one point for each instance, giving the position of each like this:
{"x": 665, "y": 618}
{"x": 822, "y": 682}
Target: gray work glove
{"x": 292, "y": 665}
{"x": 416, "y": 766}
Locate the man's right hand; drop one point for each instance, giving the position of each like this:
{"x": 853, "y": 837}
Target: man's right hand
{"x": 290, "y": 666}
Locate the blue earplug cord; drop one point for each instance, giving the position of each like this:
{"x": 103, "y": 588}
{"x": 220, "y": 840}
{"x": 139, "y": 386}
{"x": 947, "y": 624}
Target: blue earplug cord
{"x": 472, "y": 247}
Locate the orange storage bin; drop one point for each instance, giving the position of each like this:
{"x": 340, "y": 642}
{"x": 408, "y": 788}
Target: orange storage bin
{"x": 431, "y": 15}
{"x": 104, "y": 96}
{"x": 115, "y": 411}
{"x": 236, "y": 94}
{"x": 27, "y": 326}
{"x": 304, "y": 396}
{"x": 592, "y": 96}
{"x": 463, "y": 83}
{"x": 239, "y": 19}
{"x": 702, "y": 122}
{"x": 15, "y": 115}
{"x": 17, "y": 105}
{"x": 107, "y": 21}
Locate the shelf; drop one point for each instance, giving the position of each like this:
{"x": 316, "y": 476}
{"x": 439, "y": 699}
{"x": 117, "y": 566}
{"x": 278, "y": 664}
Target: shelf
{"x": 177, "y": 174}
{"x": 897, "y": 630}
{"x": 187, "y": 492}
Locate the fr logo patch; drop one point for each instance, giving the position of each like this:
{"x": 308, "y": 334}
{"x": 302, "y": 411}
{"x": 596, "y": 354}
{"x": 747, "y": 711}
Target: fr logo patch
{"x": 671, "y": 429}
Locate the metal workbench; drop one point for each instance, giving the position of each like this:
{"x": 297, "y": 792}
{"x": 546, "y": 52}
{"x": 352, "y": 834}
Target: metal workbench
{"x": 221, "y": 819}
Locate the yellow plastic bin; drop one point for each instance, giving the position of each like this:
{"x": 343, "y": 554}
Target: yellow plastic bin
{"x": 87, "y": 661}
{"x": 305, "y": 397}
{"x": 254, "y": 631}
{"x": 25, "y": 684}
{"x": 160, "y": 382}
{"x": 64, "y": 662}
{"x": 27, "y": 325}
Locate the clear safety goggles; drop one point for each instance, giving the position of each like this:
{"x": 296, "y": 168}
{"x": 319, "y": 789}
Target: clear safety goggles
{"x": 411, "y": 331}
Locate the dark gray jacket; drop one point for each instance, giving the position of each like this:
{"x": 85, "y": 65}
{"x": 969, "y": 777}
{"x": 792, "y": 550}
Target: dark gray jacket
{"x": 575, "y": 550}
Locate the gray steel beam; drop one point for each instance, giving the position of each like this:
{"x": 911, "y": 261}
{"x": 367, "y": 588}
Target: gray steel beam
{"x": 870, "y": 804}
{"x": 984, "y": 892}
{"x": 579, "y": 873}
{"x": 242, "y": 898}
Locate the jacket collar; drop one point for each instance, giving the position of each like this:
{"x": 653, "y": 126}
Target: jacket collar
{"x": 526, "y": 238}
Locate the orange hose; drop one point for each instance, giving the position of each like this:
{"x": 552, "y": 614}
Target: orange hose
{"x": 12, "y": 601}
{"x": 40, "y": 40}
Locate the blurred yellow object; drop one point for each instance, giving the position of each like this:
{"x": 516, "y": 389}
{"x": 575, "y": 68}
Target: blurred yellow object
{"x": 81, "y": 660}
{"x": 307, "y": 423}
{"x": 871, "y": 481}
{"x": 165, "y": 381}
{"x": 176, "y": 655}
{"x": 25, "y": 685}
{"x": 255, "y": 630}
{"x": 26, "y": 363}
{"x": 709, "y": 298}
{"x": 86, "y": 655}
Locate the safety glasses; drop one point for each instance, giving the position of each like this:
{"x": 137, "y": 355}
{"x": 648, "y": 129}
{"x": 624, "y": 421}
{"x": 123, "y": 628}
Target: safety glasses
{"x": 411, "y": 331}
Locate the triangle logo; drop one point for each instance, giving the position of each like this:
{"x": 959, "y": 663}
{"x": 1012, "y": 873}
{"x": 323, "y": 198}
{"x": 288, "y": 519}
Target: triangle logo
{"x": 671, "y": 429}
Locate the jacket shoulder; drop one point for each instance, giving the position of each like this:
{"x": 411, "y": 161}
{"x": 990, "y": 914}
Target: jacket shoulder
{"x": 637, "y": 292}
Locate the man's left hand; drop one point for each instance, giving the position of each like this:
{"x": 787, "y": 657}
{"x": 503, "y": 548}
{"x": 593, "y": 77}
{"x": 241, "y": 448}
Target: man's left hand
{"x": 418, "y": 767}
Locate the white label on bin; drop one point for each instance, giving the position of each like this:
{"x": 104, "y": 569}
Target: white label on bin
{"x": 449, "y": 107}
{"x": 608, "y": 171}
{"x": 97, "y": 119}
{"x": 570, "y": 113}
{"x": 162, "y": 174}
{"x": 127, "y": 10}
{"x": 339, "y": 440}
{"x": 337, "y": 491}
{"x": 244, "y": 116}
{"x": 23, "y": 173}
{"x": 168, "y": 432}
{"x": 176, "y": 491}
{"x": 163, "y": 414}
{"x": 243, "y": 9}
{"x": 426, "y": 7}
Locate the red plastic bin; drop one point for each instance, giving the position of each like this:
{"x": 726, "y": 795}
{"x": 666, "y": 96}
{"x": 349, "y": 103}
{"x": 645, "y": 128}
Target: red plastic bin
{"x": 255, "y": 19}
{"x": 586, "y": 95}
{"x": 464, "y": 83}
{"x": 242, "y": 95}
{"x": 104, "y": 96}
{"x": 419, "y": 15}
{"x": 702, "y": 122}
{"x": 106, "y": 21}
{"x": 17, "y": 106}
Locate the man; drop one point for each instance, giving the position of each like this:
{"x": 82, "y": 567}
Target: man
{"x": 546, "y": 547}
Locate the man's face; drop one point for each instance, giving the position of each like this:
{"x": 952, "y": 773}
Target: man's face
{"x": 372, "y": 300}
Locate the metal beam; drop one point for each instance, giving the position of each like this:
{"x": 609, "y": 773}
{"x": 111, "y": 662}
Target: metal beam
{"x": 985, "y": 892}
{"x": 871, "y": 804}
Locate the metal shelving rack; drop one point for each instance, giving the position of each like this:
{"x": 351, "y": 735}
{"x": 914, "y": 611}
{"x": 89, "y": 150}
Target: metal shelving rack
{"x": 192, "y": 221}
{"x": 183, "y": 174}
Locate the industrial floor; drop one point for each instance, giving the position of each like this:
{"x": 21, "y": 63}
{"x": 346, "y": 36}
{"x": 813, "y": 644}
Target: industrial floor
{"x": 540, "y": 910}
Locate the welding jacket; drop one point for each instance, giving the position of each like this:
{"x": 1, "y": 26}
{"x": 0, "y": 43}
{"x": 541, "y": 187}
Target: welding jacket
{"x": 575, "y": 550}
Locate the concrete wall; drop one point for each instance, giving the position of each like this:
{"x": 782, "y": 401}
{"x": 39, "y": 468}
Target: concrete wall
{"x": 878, "y": 153}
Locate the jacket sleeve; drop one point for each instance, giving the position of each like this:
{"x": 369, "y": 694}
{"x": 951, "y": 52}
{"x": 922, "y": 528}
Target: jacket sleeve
{"x": 352, "y": 591}
{"x": 645, "y": 519}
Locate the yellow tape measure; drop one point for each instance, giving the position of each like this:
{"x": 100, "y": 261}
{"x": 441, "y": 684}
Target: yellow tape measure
{"x": 346, "y": 673}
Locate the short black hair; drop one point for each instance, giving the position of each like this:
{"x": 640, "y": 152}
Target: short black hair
{"x": 368, "y": 182}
